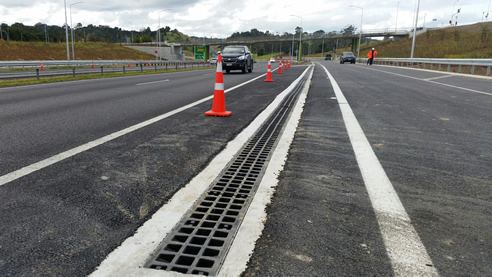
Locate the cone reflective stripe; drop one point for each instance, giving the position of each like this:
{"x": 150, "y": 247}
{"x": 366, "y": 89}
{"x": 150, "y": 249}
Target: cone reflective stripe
{"x": 269, "y": 72}
{"x": 218, "y": 105}
{"x": 42, "y": 67}
{"x": 280, "y": 67}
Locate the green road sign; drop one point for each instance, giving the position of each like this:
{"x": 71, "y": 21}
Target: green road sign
{"x": 199, "y": 52}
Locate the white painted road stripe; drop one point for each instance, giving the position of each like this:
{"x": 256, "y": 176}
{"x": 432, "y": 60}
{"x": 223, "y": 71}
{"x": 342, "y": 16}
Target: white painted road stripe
{"x": 436, "y": 78}
{"x": 150, "y": 83}
{"x": 425, "y": 80}
{"x": 407, "y": 253}
{"x": 129, "y": 258}
{"x": 72, "y": 152}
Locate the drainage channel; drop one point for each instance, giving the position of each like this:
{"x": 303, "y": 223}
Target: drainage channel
{"x": 199, "y": 243}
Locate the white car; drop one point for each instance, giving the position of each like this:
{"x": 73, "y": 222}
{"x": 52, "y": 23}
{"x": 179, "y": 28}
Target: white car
{"x": 213, "y": 61}
{"x": 272, "y": 60}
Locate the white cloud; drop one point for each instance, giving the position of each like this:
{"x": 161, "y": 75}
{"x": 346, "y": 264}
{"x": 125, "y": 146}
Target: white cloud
{"x": 221, "y": 18}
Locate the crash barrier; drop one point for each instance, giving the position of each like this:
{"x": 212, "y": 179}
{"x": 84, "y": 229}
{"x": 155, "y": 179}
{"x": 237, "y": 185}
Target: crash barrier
{"x": 110, "y": 65}
{"x": 437, "y": 64}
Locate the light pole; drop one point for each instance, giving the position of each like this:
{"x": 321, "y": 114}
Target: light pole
{"x": 415, "y": 29}
{"x": 396, "y": 24}
{"x": 66, "y": 30}
{"x": 300, "y": 40}
{"x": 487, "y": 16}
{"x": 453, "y": 13}
{"x": 360, "y": 31}
{"x": 292, "y": 49}
{"x": 71, "y": 28}
{"x": 159, "y": 32}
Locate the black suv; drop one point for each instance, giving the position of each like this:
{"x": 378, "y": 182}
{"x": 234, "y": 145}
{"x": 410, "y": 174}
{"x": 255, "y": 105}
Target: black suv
{"x": 347, "y": 57}
{"x": 237, "y": 58}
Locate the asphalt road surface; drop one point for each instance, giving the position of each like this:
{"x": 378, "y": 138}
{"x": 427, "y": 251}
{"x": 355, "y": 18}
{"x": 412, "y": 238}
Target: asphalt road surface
{"x": 431, "y": 133}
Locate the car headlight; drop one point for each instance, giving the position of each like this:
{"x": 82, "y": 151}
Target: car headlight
{"x": 241, "y": 58}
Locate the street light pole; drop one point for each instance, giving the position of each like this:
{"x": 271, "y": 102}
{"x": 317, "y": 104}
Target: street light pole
{"x": 66, "y": 30}
{"x": 159, "y": 32}
{"x": 360, "y": 31}
{"x": 487, "y": 16}
{"x": 396, "y": 24}
{"x": 71, "y": 29}
{"x": 415, "y": 29}
{"x": 300, "y": 39}
{"x": 292, "y": 51}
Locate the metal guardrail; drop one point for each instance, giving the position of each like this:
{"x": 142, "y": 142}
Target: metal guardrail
{"x": 438, "y": 62}
{"x": 37, "y": 64}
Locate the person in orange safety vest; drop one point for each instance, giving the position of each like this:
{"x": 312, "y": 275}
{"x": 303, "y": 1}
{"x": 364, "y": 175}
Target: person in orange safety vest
{"x": 371, "y": 55}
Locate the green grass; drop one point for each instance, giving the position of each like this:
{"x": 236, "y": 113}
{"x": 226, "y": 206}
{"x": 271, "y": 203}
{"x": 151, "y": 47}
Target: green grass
{"x": 471, "y": 41}
{"x": 39, "y": 51}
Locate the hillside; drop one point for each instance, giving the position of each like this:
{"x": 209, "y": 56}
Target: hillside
{"x": 470, "y": 41}
{"x": 16, "y": 50}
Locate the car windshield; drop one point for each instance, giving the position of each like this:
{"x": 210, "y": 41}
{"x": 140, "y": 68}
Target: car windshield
{"x": 233, "y": 50}
{"x": 348, "y": 54}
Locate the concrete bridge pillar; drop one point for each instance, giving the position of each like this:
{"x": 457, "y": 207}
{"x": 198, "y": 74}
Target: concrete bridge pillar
{"x": 207, "y": 52}
{"x": 176, "y": 52}
{"x": 299, "y": 58}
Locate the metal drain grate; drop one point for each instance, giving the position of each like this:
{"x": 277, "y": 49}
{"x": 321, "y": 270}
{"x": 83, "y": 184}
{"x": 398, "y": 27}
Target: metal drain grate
{"x": 199, "y": 243}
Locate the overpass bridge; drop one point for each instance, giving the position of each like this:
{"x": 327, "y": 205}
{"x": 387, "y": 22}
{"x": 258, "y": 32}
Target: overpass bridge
{"x": 176, "y": 48}
{"x": 402, "y": 33}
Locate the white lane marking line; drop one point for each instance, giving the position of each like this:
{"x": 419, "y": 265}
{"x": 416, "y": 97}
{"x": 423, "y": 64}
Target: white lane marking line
{"x": 405, "y": 249}
{"x": 150, "y": 83}
{"x": 130, "y": 257}
{"x": 94, "y": 80}
{"x": 436, "y": 78}
{"x": 415, "y": 78}
{"x": 14, "y": 175}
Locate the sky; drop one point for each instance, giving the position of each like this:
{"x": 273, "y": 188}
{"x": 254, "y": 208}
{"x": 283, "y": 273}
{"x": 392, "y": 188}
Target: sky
{"x": 221, "y": 18}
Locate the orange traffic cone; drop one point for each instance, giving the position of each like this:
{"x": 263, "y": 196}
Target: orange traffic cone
{"x": 285, "y": 65}
{"x": 93, "y": 64}
{"x": 218, "y": 106}
{"x": 280, "y": 67}
{"x": 149, "y": 63}
{"x": 128, "y": 63}
{"x": 269, "y": 73}
{"x": 42, "y": 68}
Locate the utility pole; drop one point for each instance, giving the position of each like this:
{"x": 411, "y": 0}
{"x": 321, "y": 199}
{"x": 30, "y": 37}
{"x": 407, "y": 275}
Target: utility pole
{"x": 66, "y": 30}
{"x": 396, "y": 24}
{"x": 299, "y": 54}
{"x": 415, "y": 29}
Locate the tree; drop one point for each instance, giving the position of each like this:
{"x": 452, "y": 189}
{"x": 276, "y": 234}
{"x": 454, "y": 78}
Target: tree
{"x": 349, "y": 30}
{"x": 319, "y": 33}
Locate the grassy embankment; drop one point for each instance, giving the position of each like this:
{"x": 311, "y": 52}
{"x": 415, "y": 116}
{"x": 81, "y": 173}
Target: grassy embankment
{"x": 470, "y": 41}
{"x": 40, "y": 51}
